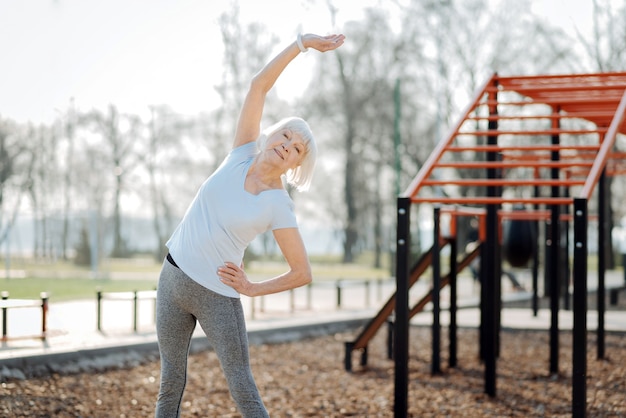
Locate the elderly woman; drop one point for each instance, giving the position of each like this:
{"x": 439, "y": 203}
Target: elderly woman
{"x": 202, "y": 278}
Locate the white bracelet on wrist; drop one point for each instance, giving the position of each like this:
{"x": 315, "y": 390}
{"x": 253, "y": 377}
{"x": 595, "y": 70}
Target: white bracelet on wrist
{"x": 300, "y": 44}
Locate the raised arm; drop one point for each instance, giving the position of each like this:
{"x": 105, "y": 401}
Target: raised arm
{"x": 249, "y": 123}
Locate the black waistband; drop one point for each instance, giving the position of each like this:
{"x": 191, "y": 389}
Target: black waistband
{"x": 171, "y": 260}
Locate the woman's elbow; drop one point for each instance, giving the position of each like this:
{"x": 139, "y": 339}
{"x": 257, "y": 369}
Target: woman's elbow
{"x": 259, "y": 84}
{"x": 305, "y": 278}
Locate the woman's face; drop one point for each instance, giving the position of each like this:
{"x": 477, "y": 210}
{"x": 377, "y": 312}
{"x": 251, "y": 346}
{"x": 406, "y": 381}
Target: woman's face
{"x": 287, "y": 148}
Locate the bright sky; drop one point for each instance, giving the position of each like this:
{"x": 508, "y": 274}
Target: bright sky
{"x": 137, "y": 53}
{"x": 132, "y": 53}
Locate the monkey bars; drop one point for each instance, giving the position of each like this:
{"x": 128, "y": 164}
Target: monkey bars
{"x": 565, "y": 122}
{"x": 518, "y": 136}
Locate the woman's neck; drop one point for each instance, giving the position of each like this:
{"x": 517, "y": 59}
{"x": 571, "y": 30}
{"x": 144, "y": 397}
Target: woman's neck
{"x": 261, "y": 177}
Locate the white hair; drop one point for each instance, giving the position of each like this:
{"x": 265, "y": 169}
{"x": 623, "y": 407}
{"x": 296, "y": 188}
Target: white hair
{"x": 301, "y": 176}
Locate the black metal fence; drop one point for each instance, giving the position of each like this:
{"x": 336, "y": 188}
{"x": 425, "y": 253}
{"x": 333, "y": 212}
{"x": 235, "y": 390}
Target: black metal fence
{"x": 327, "y": 295}
{"x": 6, "y": 304}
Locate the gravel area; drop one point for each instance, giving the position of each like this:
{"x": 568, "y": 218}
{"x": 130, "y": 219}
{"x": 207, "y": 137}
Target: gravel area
{"x": 307, "y": 379}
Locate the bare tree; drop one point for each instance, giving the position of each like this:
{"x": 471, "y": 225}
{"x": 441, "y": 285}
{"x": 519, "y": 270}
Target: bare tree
{"x": 17, "y": 163}
{"x": 166, "y": 128}
{"x": 42, "y": 190}
{"x": 119, "y": 134}
{"x": 67, "y": 169}
{"x": 353, "y": 98}
{"x": 92, "y": 189}
{"x": 246, "y": 49}
{"x": 606, "y": 48}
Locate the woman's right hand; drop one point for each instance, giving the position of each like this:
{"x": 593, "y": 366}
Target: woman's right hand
{"x": 234, "y": 276}
{"x": 322, "y": 43}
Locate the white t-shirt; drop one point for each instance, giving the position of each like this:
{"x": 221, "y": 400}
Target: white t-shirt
{"x": 224, "y": 218}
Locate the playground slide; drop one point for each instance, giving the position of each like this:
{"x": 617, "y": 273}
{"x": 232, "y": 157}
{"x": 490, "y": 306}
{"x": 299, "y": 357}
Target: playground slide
{"x": 381, "y": 317}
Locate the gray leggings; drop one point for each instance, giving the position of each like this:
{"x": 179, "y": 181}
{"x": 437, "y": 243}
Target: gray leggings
{"x": 180, "y": 302}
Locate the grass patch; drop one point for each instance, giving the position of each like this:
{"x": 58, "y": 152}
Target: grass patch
{"x": 64, "y": 281}
{"x": 60, "y": 290}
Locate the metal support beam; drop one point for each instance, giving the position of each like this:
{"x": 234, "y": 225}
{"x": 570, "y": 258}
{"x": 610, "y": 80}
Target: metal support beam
{"x": 490, "y": 304}
{"x": 602, "y": 244}
{"x": 490, "y": 268}
{"x": 535, "y": 266}
{"x": 553, "y": 277}
{"x": 452, "y": 331}
{"x": 436, "y": 270}
{"x": 564, "y": 246}
{"x": 554, "y": 272}
{"x": 579, "y": 342}
{"x": 401, "y": 334}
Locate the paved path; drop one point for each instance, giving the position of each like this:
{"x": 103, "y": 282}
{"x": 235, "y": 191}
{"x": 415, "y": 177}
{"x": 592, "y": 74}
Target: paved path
{"x": 72, "y": 326}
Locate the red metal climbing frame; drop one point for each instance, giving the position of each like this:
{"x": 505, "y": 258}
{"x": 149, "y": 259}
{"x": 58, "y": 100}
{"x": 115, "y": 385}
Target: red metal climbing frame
{"x": 586, "y": 112}
{"x": 536, "y": 141}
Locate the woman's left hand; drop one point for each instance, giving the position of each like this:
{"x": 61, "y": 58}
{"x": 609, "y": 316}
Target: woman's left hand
{"x": 232, "y": 275}
{"x": 322, "y": 43}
